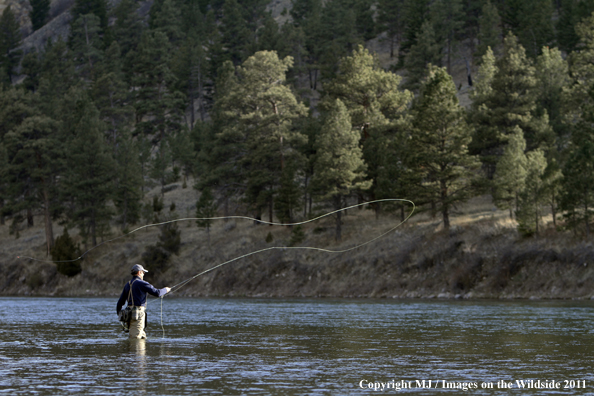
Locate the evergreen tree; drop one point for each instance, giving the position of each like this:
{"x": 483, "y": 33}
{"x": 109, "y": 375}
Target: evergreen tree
{"x": 126, "y": 30}
{"x": 308, "y": 34}
{"x": 338, "y": 35}
{"x": 531, "y": 21}
{"x": 390, "y": 19}
{"x": 425, "y": 51}
{"x": 64, "y": 253}
{"x": 531, "y": 199}
{"x": 572, "y": 13}
{"x": 577, "y": 194}
{"x": 439, "y": 144}
{"x": 88, "y": 181}
{"x": 269, "y": 36}
{"x": 510, "y": 102}
{"x": 33, "y": 156}
{"x": 416, "y": 14}
{"x": 158, "y": 104}
{"x": 373, "y": 100}
{"x": 165, "y": 17}
{"x": 112, "y": 96}
{"x": 447, "y": 18}
{"x": 95, "y": 7}
{"x": 30, "y": 68}
{"x": 10, "y": 39}
{"x": 510, "y": 176}
{"x": 127, "y": 183}
{"x": 489, "y": 31}
{"x": 86, "y": 43}
{"x": 39, "y": 13}
{"x": 206, "y": 209}
{"x": 288, "y": 200}
{"x": 236, "y": 36}
{"x": 259, "y": 110}
{"x": 553, "y": 78}
{"x": 339, "y": 168}
{"x": 191, "y": 69}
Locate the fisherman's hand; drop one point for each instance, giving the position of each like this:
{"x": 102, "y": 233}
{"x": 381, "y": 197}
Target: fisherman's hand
{"x": 168, "y": 289}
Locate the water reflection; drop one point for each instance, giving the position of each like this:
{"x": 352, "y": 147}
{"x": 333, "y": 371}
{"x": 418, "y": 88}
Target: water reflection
{"x": 289, "y": 347}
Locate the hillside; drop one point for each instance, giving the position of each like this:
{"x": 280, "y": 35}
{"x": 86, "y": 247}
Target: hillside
{"x": 480, "y": 257}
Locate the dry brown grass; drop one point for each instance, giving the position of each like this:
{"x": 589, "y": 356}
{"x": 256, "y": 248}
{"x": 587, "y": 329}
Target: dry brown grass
{"x": 480, "y": 256}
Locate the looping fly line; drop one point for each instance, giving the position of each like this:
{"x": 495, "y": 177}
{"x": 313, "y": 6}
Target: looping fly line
{"x": 185, "y": 282}
{"x": 181, "y": 284}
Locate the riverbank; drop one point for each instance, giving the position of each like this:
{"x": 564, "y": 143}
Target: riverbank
{"x": 481, "y": 256}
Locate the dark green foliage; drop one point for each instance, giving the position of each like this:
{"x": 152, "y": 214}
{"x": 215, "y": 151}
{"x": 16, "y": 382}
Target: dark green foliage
{"x": 39, "y": 12}
{"x": 63, "y": 252}
{"x": 88, "y": 183}
{"x": 10, "y": 39}
{"x": 391, "y": 20}
{"x": 438, "y": 146}
{"x": 157, "y": 257}
{"x": 425, "y": 51}
{"x": 297, "y": 235}
{"x": 269, "y": 237}
{"x": 206, "y": 208}
{"x": 157, "y": 204}
{"x": 95, "y": 7}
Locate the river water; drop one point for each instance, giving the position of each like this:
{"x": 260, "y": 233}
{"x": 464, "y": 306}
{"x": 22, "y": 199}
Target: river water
{"x": 298, "y": 347}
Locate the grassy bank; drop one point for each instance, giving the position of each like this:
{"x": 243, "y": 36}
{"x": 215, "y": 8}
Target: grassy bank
{"x": 481, "y": 256}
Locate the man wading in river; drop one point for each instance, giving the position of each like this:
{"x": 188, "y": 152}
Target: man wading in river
{"x": 134, "y": 293}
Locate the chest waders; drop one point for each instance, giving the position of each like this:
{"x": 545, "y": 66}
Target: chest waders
{"x": 131, "y": 312}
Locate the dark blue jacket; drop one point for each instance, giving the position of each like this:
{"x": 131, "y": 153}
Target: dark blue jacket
{"x": 139, "y": 290}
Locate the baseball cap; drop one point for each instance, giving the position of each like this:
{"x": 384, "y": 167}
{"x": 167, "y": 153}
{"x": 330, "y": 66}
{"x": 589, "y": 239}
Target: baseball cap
{"x": 137, "y": 268}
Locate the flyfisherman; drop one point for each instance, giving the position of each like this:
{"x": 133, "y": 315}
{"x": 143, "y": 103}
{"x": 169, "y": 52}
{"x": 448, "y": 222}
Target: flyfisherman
{"x": 134, "y": 294}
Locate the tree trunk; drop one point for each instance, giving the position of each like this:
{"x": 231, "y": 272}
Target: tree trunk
{"x": 338, "y": 206}
{"x": 49, "y": 232}
{"x": 444, "y": 206}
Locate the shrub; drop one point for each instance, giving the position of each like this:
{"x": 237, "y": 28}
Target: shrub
{"x": 297, "y": 236}
{"x": 63, "y": 251}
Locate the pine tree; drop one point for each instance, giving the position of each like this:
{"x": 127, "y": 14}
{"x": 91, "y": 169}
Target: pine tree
{"x": 39, "y": 13}
{"x": 288, "y": 200}
{"x": 425, "y": 51}
{"x": 573, "y": 12}
{"x": 552, "y": 74}
{"x": 86, "y": 44}
{"x": 509, "y": 102}
{"x": 165, "y": 17}
{"x": 510, "y": 176}
{"x": 236, "y": 36}
{"x": 88, "y": 182}
{"x": 190, "y": 66}
{"x": 577, "y": 194}
{"x": 95, "y": 7}
{"x": 10, "y": 39}
{"x": 531, "y": 199}
{"x": 373, "y": 100}
{"x": 112, "y": 96}
{"x": 339, "y": 168}
{"x": 127, "y": 183}
{"x": 447, "y": 18}
{"x": 158, "y": 104}
{"x": 439, "y": 144}
{"x": 206, "y": 209}
{"x": 531, "y": 21}
{"x": 416, "y": 13}
{"x": 126, "y": 29}
{"x": 33, "y": 156}
{"x": 489, "y": 33}
{"x": 259, "y": 111}
{"x": 390, "y": 19}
